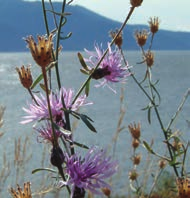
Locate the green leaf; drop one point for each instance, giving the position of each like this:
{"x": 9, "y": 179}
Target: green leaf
{"x": 38, "y": 79}
{"x": 62, "y": 130}
{"x": 148, "y": 147}
{"x": 81, "y": 59}
{"x": 87, "y": 88}
{"x": 43, "y": 169}
{"x": 81, "y": 145}
{"x": 149, "y": 115}
{"x": 86, "y": 119}
{"x": 66, "y": 37}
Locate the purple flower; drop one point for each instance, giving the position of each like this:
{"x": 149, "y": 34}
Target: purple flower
{"x": 89, "y": 173}
{"x": 39, "y": 111}
{"x": 110, "y": 69}
{"x": 45, "y": 133}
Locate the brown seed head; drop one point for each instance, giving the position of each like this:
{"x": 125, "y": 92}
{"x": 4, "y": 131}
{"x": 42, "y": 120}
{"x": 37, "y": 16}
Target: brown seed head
{"x": 162, "y": 164}
{"x": 149, "y": 58}
{"x": 136, "y": 3}
{"x": 25, "y": 76}
{"x": 183, "y": 186}
{"x": 106, "y": 191}
{"x": 176, "y": 145}
{"x": 41, "y": 52}
{"x": 137, "y": 159}
{"x": 135, "y": 143}
{"x": 154, "y": 24}
{"x": 19, "y": 193}
{"x": 133, "y": 175}
{"x": 119, "y": 39}
{"x": 135, "y": 130}
{"x": 141, "y": 37}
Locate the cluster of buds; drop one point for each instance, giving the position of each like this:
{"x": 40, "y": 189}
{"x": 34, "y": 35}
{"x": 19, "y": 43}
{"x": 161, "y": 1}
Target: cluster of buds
{"x": 19, "y": 193}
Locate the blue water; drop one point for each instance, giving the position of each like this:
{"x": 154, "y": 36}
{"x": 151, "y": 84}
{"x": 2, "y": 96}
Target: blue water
{"x": 171, "y": 68}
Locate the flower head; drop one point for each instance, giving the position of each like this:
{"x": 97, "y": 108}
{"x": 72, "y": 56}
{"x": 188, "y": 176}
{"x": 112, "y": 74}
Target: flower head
{"x": 25, "y": 76}
{"x": 89, "y": 173}
{"x": 119, "y": 39}
{"x": 136, "y": 3}
{"x": 141, "y": 37}
{"x": 135, "y": 130}
{"x": 46, "y": 134}
{"x": 41, "y": 52}
{"x": 154, "y": 24}
{"x": 26, "y": 193}
{"x": 110, "y": 69}
{"x": 38, "y": 111}
{"x": 183, "y": 185}
{"x": 149, "y": 58}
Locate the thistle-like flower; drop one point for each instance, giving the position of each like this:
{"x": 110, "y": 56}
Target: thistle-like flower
{"x": 45, "y": 133}
{"x": 141, "y": 37}
{"x": 39, "y": 111}
{"x": 154, "y": 24}
{"x": 41, "y": 52}
{"x": 110, "y": 69}
{"x": 25, "y": 76}
{"x": 89, "y": 173}
{"x": 149, "y": 58}
{"x": 19, "y": 193}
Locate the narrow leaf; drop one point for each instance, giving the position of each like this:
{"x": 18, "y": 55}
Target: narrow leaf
{"x": 43, "y": 169}
{"x": 62, "y": 130}
{"x": 148, "y": 147}
{"x": 149, "y": 115}
{"x": 38, "y": 79}
{"x": 86, "y": 119}
{"x": 81, "y": 145}
{"x": 81, "y": 59}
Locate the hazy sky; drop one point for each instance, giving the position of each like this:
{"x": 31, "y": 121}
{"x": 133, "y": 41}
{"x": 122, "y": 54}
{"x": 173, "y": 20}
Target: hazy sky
{"x": 173, "y": 14}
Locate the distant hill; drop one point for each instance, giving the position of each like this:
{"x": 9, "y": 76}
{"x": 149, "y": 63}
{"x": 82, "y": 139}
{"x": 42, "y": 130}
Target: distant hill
{"x": 20, "y": 18}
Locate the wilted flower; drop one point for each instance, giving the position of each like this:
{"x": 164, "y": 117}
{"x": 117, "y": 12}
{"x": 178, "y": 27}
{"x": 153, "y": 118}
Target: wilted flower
{"x": 149, "y": 58}
{"x": 110, "y": 69}
{"x": 135, "y": 130}
{"x": 41, "y": 52}
{"x": 154, "y": 24}
{"x": 133, "y": 175}
{"x": 183, "y": 185}
{"x": 135, "y": 143}
{"x": 25, "y": 76}
{"x": 38, "y": 111}
{"x": 89, "y": 173}
{"x": 162, "y": 163}
{"x": 19, "y": 193}
{"x": 136, "y": 3}
{"x": 141, "y": 37}
{"x": 136, "y": 159}
{"x": 119, "y": 39}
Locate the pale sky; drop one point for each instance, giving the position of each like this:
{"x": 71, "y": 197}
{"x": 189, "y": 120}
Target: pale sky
{"x": 173, "y": 14}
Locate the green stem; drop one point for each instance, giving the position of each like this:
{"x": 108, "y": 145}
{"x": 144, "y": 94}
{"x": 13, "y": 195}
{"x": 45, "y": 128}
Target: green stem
{"x": 103, "y": 56}
{"x": 45, "y": 17}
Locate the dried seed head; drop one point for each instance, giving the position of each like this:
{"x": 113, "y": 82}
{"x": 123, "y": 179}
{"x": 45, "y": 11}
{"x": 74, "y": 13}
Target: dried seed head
{"x": 137, "y": 159}
{"x": 136, "y": 3}
{"x": 106, "y": 191}
{"x": 19, "y": 193}
{"x": 162, "y": 164}
{"x": 119, "y": 39}
{"x": 25, "y": 76}
{"x": 154, "y": 24}
{"x": 141, "y": 37}
{"x": 135, "y": 143}
{"x": 183, "y": 185}
{"x": 135, "y": 130}
{"x": 149, "y": 58}
{"x": 57, "y": 156}
{"x": 41, "y": 52}
{"x": 176, "y": 144}
{"x": 133, "y": 175}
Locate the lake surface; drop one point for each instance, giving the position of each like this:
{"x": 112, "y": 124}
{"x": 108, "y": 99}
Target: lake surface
{"x": 171, "y": 68}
